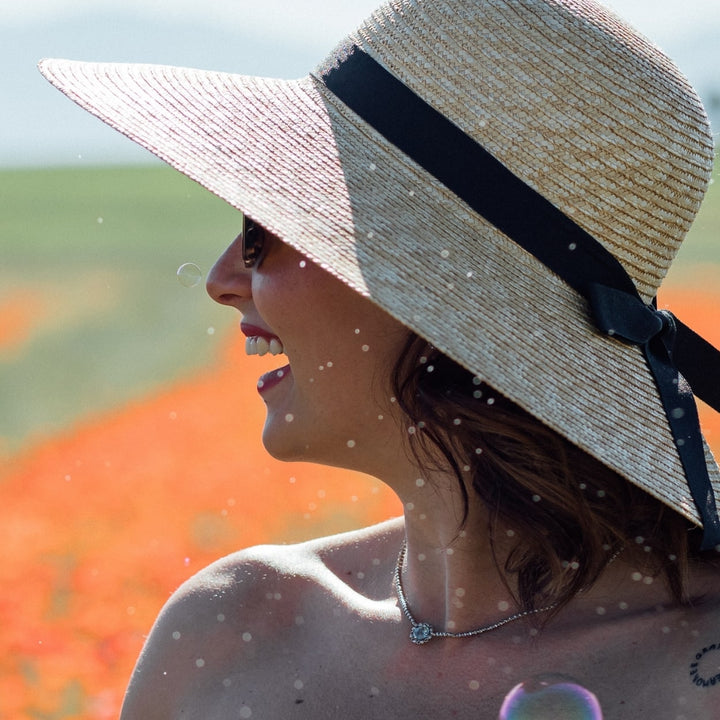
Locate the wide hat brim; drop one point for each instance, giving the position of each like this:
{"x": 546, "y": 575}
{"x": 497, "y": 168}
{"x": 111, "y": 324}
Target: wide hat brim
{"x": 294, "y": 158}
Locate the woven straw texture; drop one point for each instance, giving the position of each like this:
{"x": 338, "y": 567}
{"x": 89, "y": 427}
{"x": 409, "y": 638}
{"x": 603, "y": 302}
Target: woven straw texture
{"x": 562, "y": 92}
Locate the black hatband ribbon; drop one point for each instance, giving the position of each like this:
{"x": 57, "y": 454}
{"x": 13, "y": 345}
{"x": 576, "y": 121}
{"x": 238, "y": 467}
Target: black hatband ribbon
{"x": 532, "y": 221}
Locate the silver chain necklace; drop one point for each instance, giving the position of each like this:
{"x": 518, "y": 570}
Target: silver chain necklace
{"x": 423, "y": 632}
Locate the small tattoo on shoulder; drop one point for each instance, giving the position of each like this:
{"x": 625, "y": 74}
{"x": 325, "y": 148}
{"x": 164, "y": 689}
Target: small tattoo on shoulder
{"x": 704, "y": 667}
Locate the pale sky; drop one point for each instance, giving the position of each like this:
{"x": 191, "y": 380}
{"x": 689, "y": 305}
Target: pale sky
{"x": 316, "y": 20}
{"x": 280, "y": 38}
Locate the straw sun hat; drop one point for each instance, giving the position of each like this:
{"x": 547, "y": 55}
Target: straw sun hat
{"x": 509, "y": 178}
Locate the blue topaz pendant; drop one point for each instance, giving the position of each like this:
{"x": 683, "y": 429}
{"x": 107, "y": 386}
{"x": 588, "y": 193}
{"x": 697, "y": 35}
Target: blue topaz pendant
{"x": 421, "y": 633}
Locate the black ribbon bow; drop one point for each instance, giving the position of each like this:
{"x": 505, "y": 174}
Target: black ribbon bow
{"x": 626, "y": 317}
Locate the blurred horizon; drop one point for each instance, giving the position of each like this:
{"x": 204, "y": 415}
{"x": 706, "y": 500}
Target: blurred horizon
{"x": 272, "y": 39}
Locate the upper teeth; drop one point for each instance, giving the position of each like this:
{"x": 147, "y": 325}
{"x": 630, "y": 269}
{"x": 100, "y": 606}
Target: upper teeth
{"x": 261, "y": 346}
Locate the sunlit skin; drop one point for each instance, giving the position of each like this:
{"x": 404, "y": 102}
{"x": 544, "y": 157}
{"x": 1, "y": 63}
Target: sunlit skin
{"x": 333, "y": 404}
{"x": 314, "y": 630}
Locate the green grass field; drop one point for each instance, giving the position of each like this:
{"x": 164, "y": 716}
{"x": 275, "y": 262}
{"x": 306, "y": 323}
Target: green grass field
{"x": 91, "y": 254}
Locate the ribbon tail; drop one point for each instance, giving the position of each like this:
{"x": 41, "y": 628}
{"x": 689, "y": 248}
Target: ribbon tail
{"x": 681, "y": 411}
{"x": 699, "y": 362}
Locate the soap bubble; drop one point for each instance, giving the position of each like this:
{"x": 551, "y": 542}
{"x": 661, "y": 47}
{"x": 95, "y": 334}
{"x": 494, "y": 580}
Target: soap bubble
{"x": 549, "y": 697}
{"x": 189, "y": 275}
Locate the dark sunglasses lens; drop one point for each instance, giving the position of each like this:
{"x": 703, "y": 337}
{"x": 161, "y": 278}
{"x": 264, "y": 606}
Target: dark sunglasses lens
{"x": 253, "y": 237}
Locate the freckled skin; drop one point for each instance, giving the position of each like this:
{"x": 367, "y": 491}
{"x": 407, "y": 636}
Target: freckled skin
{"x": 314, "y": 630}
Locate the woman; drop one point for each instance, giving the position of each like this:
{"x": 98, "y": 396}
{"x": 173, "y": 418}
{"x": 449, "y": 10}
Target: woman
{"x": 462, "y": 217}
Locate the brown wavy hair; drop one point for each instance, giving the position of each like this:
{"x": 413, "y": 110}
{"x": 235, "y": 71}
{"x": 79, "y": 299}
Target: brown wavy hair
{"x": 567, "y": 513}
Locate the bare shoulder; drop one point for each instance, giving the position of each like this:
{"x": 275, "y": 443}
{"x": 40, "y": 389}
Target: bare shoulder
{"x": 700, "y": 641}
{"x": 655, "y": 659}
{"x": 680, "y": 656}
{"x": 248, "y": 608}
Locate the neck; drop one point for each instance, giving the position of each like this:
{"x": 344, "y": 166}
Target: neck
{"x": 450, "y": 578}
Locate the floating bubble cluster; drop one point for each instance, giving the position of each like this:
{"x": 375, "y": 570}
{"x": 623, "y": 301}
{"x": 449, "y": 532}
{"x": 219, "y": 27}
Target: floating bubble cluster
{"x": 189, "y": 275}
{"x": 550, "y": 697}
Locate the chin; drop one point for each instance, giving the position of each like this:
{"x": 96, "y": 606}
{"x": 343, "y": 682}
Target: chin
{"x": 283, "y": 441}
{"x": 283, "y": 445}
{"x": 280, "y": 449}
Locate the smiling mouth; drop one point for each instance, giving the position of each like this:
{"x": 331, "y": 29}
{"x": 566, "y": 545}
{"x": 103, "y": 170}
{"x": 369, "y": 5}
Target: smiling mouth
{"x": 258, "y": 345}
{"x": 263, "y": 345}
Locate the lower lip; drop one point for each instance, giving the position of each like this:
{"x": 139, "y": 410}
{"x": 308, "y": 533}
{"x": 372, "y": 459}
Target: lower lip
{"x": 271, "y": 379}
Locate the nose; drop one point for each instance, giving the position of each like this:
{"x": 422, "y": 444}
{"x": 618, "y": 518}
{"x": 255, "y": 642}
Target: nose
{"x": 229, "y": 281}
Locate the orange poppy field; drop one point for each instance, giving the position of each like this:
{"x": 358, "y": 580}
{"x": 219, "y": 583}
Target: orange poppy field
{"x": 104, "y": 518}
{"x": 100, "y": 524}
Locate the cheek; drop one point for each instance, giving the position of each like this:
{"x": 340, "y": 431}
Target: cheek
{"x": 300, "y": 301}
{"x": 325, "y": 324}
{"x": 275, "y": 296}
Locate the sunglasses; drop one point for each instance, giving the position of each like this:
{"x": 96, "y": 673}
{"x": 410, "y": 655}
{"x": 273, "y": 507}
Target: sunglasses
{"x": 253, "y": 240}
